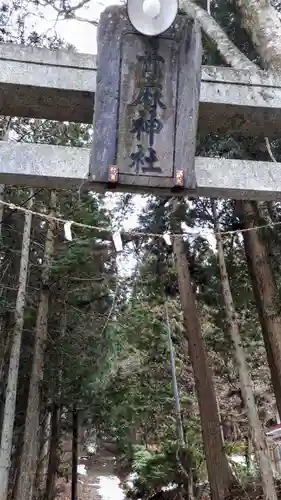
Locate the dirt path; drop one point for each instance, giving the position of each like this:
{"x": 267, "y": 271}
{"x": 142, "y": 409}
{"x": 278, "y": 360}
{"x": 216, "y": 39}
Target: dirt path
{"x": 87, "y": 490}
{"x": 97, "y": 479}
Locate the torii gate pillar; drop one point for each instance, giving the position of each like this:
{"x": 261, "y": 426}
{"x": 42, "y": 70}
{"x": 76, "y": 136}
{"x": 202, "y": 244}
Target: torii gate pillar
{"x": 146, "y": 106}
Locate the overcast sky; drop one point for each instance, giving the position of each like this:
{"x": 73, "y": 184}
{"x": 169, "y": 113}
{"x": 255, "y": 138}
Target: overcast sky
{"x": 80, "y": 34}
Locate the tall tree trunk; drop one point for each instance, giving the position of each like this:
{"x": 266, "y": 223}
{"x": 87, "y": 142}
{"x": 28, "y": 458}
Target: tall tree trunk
{"x": 219, "y": 473}
{"x": 4, "y": 342}
{"x": 53, "y": 453}
{"x": 180, "y": 432}
{"x": 11, "y": 391}
{"x": 230, "y": 53}
{"x": 266, "y": 293}
{"x": 32, "y": 423}
{"x": 54, "y": 456}
{"x": 74, "y": 482}
{"x": 262, "y": 22}
{"x": 248, "y": 452}
{"x": 42, "y": 462}
{"x": 257, "y": 433}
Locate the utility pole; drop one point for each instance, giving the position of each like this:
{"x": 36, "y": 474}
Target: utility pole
{"x": 174, "y": 380}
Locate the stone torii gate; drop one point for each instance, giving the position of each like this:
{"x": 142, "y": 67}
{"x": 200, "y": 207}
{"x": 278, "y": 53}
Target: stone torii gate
{"x": 63, "y": 86}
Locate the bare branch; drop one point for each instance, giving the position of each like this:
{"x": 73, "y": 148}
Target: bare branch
{"x": 83, "y": 20}
{"x": 269, "y": 150}
{"x": 69, "y": 12}
{"x": 79, "y": 5}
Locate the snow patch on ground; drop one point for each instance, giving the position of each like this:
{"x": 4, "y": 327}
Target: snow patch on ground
{"x": 109, "y": 488}
{"x": 82, "y": 470}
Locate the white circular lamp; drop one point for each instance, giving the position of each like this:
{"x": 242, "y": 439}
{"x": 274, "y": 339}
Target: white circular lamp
{"x": 152, "y": 17}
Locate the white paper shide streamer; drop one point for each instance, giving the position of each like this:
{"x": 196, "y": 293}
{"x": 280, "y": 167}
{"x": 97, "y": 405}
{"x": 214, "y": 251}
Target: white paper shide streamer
{"x": 167, "y": 239}
{"x": 67, "y": 230}
{"x": 117, "y": 241}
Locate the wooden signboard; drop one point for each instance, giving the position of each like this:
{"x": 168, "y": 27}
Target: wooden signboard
{"x": 146, "y": 106}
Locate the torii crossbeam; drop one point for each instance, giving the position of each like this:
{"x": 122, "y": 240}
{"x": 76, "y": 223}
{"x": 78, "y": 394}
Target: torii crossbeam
{"x": 61, "y": 85}
{"x": 62, "y": 167}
